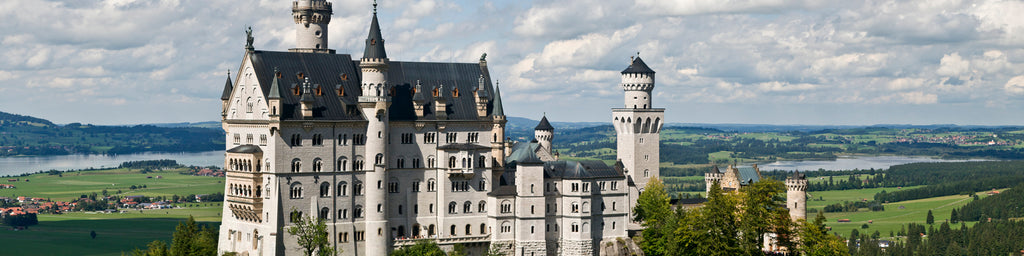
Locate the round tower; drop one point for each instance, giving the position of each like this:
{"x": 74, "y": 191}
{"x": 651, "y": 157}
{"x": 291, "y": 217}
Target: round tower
{"x": 311, "y": 19}
{"x": 374, "y": 103}
{"x": 544, "y": 133}
{"x": 796, "y": 196}
{"x": 638, "y": 82}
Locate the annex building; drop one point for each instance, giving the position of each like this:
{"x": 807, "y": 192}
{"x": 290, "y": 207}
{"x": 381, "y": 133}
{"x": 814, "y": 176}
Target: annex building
{"x": 390, "y": 152}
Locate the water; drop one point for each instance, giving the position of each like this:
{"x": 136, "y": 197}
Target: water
{"x": 20, "y": 165}
{"x": 853, "y": 162}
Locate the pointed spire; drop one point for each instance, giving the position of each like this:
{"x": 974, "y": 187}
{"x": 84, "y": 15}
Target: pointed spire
{"x": 226, "y": 95}
{"x": 374, "y": 41}
{"x": 544, "y": 125}
{"x": 637, "y": 65}
{"x": 275, "y": 89}
{"x": 498, "y": 109}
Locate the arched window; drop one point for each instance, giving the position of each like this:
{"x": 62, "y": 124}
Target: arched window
{"x": 325, "y": 189}
{"x": 586, "y": 207}
{"x": 342, "y": 164}
{"x": 358, "y": 213}
{"x": 342, "y": 189}
{"x": 481, "y": 162}
{"x": 482, "y": 206}
{"x": 317, "y": 165}
{"x": 483, "y": 229}
{"x": 296, "y": 165}
{"x": 431, "y": 230}
{"x": 506, "y": 206}
{"x": 451, "y": 207}
{"x": 431, "y": 185}
{"x": 379, "y": 159}
{"x": 357, "y": 189}
{"x": 467, "y": 207}
{"x": 295, "y": 191}
{"x": 452, "y": 231}
{"x": 469, "y": 229}
{"x": 324, "y": 212}
{"x": 451, "y": 162}
{"x": 258, "y": 190}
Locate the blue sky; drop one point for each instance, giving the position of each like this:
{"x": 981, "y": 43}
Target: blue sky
{"x": 736, "y": 61}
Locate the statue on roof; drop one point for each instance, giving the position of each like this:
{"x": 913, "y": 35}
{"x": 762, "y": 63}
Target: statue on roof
{"x": 483, "y": 57}
{"x": 248, "y": 38}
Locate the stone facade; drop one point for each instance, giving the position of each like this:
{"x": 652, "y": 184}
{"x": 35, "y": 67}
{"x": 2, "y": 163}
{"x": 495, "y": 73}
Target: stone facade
{"x": 405, "y": 151}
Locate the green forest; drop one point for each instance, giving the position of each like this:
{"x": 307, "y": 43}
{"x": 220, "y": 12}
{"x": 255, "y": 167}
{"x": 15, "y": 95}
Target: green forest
{"x": 30, "y": 136}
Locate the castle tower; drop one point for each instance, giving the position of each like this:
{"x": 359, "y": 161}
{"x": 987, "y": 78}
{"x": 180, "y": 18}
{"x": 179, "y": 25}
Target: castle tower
{"x": 796, "y": 196}
{"x": 544, "y": 133}
{"x": 374, "y": 103}
{"x": 712, "y": 176}
{"x": 311, "y": 19}
{"x": 638, "y": 125}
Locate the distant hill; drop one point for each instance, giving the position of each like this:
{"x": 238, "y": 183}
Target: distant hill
{"x": 207, "y": 124}
{"x": 31, "y": 136}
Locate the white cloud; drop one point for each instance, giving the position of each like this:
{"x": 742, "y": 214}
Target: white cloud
{"x": 953, "y": 65}
{"x": 919, "y": 98}
{"x": 1015, "y": 85}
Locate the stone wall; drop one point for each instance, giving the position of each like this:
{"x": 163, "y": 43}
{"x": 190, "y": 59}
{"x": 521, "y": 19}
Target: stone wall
{"x": 619, "y": 247}
{"x": 576, "y": 247}
{"x": 534, "y": 248}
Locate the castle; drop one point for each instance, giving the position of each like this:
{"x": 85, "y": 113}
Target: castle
{"x": 734, "y": 178}
{"x": 393, "y": 152}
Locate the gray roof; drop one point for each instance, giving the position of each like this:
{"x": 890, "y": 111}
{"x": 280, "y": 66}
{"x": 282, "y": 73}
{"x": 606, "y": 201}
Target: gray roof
{"x": 463, "y": 146}
{"x": 226, "y": 95}
{"x": 584, "y": 169}
{"x": 332, "y": 71}
{"x": 374, "y": 41}
{"x": 497, "y": 109}
{"x": 797, "y": 175}
{"x": 638, "y": 66}
{"x": 544, "y": 125}
{"x": 275, "y": 89}
{"x": 524, "y": 153}
{"x": 247, "y": 148}
{"x": 748, "y": 175}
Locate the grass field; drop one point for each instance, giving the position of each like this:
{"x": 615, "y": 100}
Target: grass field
{"x": 115, "y": 232}
{"x": 71, "y": 185}
{"x": 890, "y": 220}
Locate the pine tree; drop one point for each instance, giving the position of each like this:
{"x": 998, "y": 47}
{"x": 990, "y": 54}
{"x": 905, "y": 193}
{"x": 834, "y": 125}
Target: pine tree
{"x": 930, "y": 219}
{"x": 954, "y": 217}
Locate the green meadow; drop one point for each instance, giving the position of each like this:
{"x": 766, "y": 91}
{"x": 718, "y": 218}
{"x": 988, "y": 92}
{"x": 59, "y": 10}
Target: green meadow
{"x": 116, "y": 232}
{"x": 895, "y": 215}
{"x": 71, "y": 185}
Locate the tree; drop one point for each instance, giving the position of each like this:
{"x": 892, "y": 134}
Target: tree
{"x": 954, "y": 217}
{"x": 814, "y": 240}
{"x": 762, "y": 211}
{"x": 930, "y": 219}
{"x": 311, "y": 235}
{"x": 421, "y": 248}
{"x": 653, "y": 203}
{"x": 155, "y": 248}
{"x": 92, "y": 234}
{"x": 193, "y": 239}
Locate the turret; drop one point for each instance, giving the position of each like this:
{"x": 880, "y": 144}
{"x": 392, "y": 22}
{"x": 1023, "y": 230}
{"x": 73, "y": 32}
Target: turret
{"x": 482, "y": 97}
{"x": 544, "y": 133}
{"x": 712, "y": 176}
{"x": 498, "y": 116}
{"x": 419, "y": 100}
{"x": 374, "y": 104}
{"x": 311, "y": 19}
{"x": 225, "y": 97}
{"x": 638, "y": 82}
{"x": 796, "y": 196}
{"x": 274, "y": 98}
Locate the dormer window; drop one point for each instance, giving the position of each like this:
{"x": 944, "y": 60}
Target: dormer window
{"x": 296, "y": 89}
{"x": 455, "y": 93}
{"x": 278, "y": 74}
{"x": 341, "y": 91}
{"x": 319, "y": 90}
{"x": 344, "y": 77}
{"x": 435, "y": 93}
{"x": 373, "y": 41}
{"x": 300, "y": 75}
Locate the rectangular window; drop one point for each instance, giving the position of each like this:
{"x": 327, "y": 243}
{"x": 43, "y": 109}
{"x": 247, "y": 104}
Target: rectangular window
{"x": 360, "y": 236}
{"x": 263, "y": 139}
{"x": 238, "y": 139}
{"x": 343, "y": 237}
{"x": 415, "y": 186}
{"x": 248, "y": 139}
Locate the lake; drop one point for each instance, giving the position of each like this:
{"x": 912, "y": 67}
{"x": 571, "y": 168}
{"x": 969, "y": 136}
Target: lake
{"x": 20, "y": 165}
{"x": 853, "y": 162}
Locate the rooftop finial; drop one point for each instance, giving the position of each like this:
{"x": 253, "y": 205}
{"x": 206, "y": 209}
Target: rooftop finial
{"x": 375, "y": 7}
{"x": 248, "y": 38}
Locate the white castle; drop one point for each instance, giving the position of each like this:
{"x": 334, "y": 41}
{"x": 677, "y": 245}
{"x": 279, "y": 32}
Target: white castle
{"x": 392, "y": 152}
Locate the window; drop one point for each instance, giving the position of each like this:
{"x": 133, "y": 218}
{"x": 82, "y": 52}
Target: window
{"x": 296, "y": 216}
{"x": 342, "y": 189}
{"x": 318, "y": 140}
{"x": 416, "y": 209}
{"x": 431, "y": 185}
{"x": 431, "y": 162}
{"x": 647, "y": 173}
{"x": 451, "y": 207}
{"x": 342, "y": 139}
{"x": 575, "y": 187}
{"x": 615, "y": 185}
{"x": 481, "y": 207}
{"x": 506, "y": 227}
{"x": 359, "y": 139}
{"x": 451, "y": 137}
{"x": 431, "y": 208}
{"x": 575, "y": 227}
{"x": 343, "y": 237}
{"x": 506, "y": 207}
{"x": 296, "y": 140}
{"x": 342, "y": 164}
{"x": 357, "y": 165}
{"x": 324, "y": 213}
{"x": 483, "y": 229}
{"x": 586, "y": 187}
{"x": 360, "y": 236}
{"x": 325, "y": 189}
{"x": 393, "y": 186}
{"x": 531, "y": 188}
{"x": 602, "y": 185}
{"x": 460, "y": 186}
{"x": 586, "y": 207}
{"x": 531, "y": 209}
{"x": 452, "y": 230}
{"x": 359, "y": 211}
{"x": 263, "y": 139}
{"x": 483, "y": 184}
{"x": 416, "y": 186}
{"x": 400, "y": 162}
{"x": 296, "y": 165}
{"x": 451, "y": 162}
{"x": 481, "y": 162}
{"x": 318, "y": 165}
{"x": 613, "y": 206}
{"x": 248, "y": 139}
{"x": 531, "y": 229}
{"x": 295, "y": 191}
{"x": 429, "y": 138}
{"x": 416, "y": 163}
{"x": 575, "y": 207}
{"x": 408, "y": 138}
{"x": 467, "y": 207}
{"x": 399, "y": 209}
{"x": 474, "y": 137}
{"x": 343, "y": 214}
{"x": 469, "y": 228}
{"x": 379, "y": 159}
{"x": 357, "y": 189}
{"x": 238, "y": 139}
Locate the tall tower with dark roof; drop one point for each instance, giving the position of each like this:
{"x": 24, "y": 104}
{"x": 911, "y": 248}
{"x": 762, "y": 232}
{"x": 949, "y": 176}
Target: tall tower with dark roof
{"x": 638, "y": 126}
{"x": 311, "y": 19}
{"x": 544, "y": 133}
{"x": 374, "y": 104}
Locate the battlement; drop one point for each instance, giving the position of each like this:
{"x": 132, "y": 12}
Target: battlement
{"x": 312, "y": 11}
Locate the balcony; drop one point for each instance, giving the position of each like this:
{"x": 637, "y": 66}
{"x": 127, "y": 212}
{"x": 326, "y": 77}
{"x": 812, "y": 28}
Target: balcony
{"x": 400, "y": 242}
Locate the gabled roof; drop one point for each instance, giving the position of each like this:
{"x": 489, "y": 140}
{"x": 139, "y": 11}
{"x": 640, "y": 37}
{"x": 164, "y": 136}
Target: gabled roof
{"x": 748, "y": 175}
{"x": 638, "y": 67}
{"x": 544, "y": 125}
{"x": 341, "y": 70}
{"x": 226, "y": 95}
{"x": 374, "y": 41}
